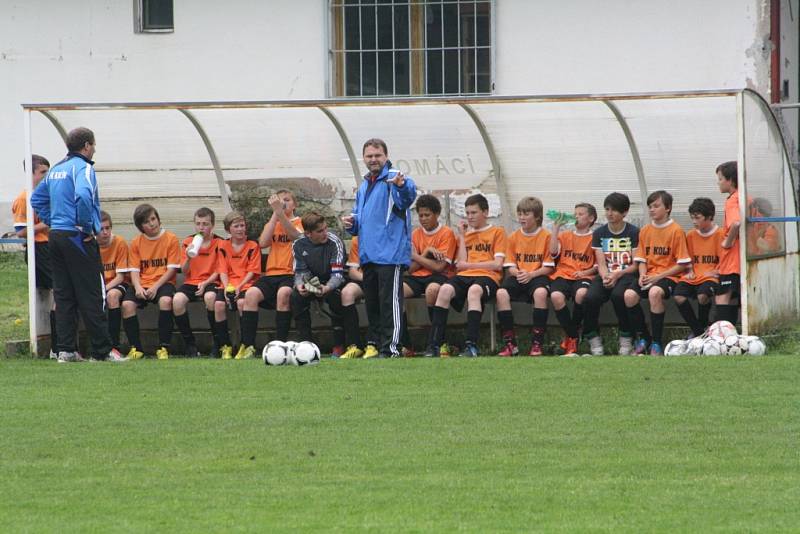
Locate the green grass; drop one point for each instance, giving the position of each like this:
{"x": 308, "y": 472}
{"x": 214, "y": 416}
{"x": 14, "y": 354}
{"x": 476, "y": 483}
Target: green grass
{"x": 14, "y": 303}
{"x": 483, "y": 445}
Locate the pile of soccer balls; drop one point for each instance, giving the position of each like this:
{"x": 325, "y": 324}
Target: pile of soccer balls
{"x": 720, "y": 338}
{"x": 290, "y": 353}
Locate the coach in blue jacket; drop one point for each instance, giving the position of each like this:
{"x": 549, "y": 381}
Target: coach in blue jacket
{"x": 67, "y": 200}
{"x": 382, "y": 222}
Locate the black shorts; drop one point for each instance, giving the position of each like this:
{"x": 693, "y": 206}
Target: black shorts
{"x": 419, "y": 284}
{"x": 667, "y": 285}
{"x": 122, "y": 287}
{"x": 190, "y": 289}
{"x": 524, "y": 292}
{"x": 44, "y": 269}
{"x": 690, "y": 291}
{"x": 462, "y": 284}
{"x": 222, "y": 298}
{"x": 569, "y": 288}
{"x": 729, "y": 283}
{"x": 269, "y": 286}
{"x": 166, "y": 290}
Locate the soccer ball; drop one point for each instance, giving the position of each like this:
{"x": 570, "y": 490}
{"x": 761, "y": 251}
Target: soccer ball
{"x": 290, "y": 346}
{"x": 306, "y": 353}
{"x": 695, "y": 345}
{"x": 732, "y": 345}
{"x": 721, "y": 329}
{"x": 275, "y": 353}
{"x": 712, "y": 347}
{"x": 677, "y": 347}
{"x": 756, "y": 346}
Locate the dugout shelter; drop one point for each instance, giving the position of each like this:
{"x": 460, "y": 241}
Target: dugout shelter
{"x": 562, "y": 148}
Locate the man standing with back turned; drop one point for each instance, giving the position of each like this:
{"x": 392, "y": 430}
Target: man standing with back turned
{"x": 68, "y": 201}
{"x": 382, "y": 223}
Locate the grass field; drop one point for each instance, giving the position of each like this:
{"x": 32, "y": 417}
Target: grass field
{"x": 487, "y": 444}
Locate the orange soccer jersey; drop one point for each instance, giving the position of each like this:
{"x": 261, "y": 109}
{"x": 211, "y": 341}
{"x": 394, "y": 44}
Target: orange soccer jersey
{"x": 442, "y": 239}
{"x": 661, "y": 247}
{"x": 114, "y": 258}
{"x": 151, "y": 257}
{"x": 238, "y": 263}
{"x": 352, "y": 258}
{"x": 280, "y": 259}
{"x": 528, "y": 252}
{"x": 484, "y": 245}
{"x": 729, "y": 258}
{"x": 575, "y": 254}
{"x": 19, "y": 209}
{"x": 204, "y": 264}
{"x": 705, "y": 250}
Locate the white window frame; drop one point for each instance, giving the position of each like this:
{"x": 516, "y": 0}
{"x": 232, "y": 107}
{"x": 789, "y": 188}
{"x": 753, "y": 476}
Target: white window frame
{"x": 138, "y": 19}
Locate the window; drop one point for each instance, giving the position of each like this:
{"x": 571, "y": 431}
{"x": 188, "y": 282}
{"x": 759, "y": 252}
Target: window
{"x": 154, "y": 16}
{"x": 411, "y": 47}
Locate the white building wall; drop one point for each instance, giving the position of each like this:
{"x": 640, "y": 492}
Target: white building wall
{"x": 87, "y": 51}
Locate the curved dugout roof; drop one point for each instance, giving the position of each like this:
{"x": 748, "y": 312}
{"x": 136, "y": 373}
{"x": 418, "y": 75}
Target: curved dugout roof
{"x": 563, "y": 149}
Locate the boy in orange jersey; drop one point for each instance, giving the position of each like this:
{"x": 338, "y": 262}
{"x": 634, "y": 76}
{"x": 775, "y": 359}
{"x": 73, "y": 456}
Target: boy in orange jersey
{"x": 479, "y": 267}
{"x": 762, "y": 237}
{"x": 352, "y": 292}
{"x": 528, "y": 264}
{"x": 662, "y": 256}
{"x": 729, "y": 265}
{"x": 154, "y": 258}
{"x": 43, "y": 268}
{"x": 274, "y": 289}
{"x": 575, "y": 268}
{"x": 200, "y": 278}
{"x": 433, "y": 249}
{"x": 239, "y": 266}
{"x": 114, "y": 255}
{"x": 702, "y": 280}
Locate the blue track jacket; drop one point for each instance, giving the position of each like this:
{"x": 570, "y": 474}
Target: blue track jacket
{"x": 67, "y": 198}
{"x": 382, "y": 220}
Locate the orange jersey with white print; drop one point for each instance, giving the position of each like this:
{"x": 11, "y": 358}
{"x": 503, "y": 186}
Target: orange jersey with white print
{"x": 575, "y": 254}
{"x": 662, "y": 247}
{"x": 151, "y": 257}
{"x": 729, "y": 258}
{"x": 204, "y": 264}
{"x": 237, "y": 263}
{"x": 352, "y": 258}
{"x": 442, "y": 239}
{"x": 280, "y": 259}
{"x": 114, "y": 258}
{"x": 485, "y": 245}
{"x": 19, "y": 209}
{"x": 705, "y": 250}
{"x": 528, "y": 252}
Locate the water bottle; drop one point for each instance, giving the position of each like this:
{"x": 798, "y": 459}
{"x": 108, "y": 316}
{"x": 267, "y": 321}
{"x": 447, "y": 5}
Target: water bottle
{"x": 194, "y": 247}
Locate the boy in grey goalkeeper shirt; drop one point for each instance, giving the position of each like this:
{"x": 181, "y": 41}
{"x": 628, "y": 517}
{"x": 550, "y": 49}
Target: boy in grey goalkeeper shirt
{"x": 319, "y": 259}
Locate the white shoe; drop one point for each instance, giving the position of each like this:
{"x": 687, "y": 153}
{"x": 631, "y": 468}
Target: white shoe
{"x": 116, "y": 356}
{"x": 69, "y": 357}
{"x": 625, "y": 346}
{"x": 53, "y": 355}
{"x": 596, "y": 346}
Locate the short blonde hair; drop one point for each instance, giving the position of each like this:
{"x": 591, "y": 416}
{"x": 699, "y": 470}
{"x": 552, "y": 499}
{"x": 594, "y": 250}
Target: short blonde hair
{"x": 532, "y": 205}
{"x": 231, "y": 218}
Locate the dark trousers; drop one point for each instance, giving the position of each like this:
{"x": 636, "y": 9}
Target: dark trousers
{"x": 598, "y": 294}
{"x": 383, "y": 297}
{"x": 78, "y": 286}
{"x": 301, "y": 309}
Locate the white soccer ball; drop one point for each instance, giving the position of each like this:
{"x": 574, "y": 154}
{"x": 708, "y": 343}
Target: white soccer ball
{"x": 290, "y": 346}
{"x": 712, "y": 347}
{"x": 306, "y": 353}
{"x": 695, "y": 346}
{"x": 676, "y": 347}
{"x": 756, "y": 346}
{"x": 722, "y": 329}
{"x": 275, "y": 353}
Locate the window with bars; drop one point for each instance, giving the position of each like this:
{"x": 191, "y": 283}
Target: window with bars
{"x": 412, "y": 47}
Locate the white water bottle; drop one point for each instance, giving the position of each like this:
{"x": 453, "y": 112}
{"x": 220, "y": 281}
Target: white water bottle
{"x": 194, "y": 247}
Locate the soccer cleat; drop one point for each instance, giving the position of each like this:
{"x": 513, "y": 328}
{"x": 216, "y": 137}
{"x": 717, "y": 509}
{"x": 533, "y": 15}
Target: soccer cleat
{"x": 510, "y": 349}
{"x": 68, "y": 357}
{"x": 337, "y": 351}
{"x": 135, "y": 354}
{"x": 596, "y": 346}
{"x": 625, "y": 346}
{"x": 536, "y": 348}
{"x": 226, "y": 352}
{"x": 656, "y": 350}
{"x": 191, "y": 351}
{"x": 370, "y": 351}
{"x": 162, "y": 353}
{"x": 470, "y": 351}
{"x": 570, "y": 346}
{"x": 352, "y": 353}
{"x": 115, "y": 356}
{"x": 432, "y": 352}
{"x": 640, "y": 347}
{"x": 408, "y": 352}
{"x": 53, "y": 355}
{"x": 245, "y": 352}
{"x": 445, "y": 351}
